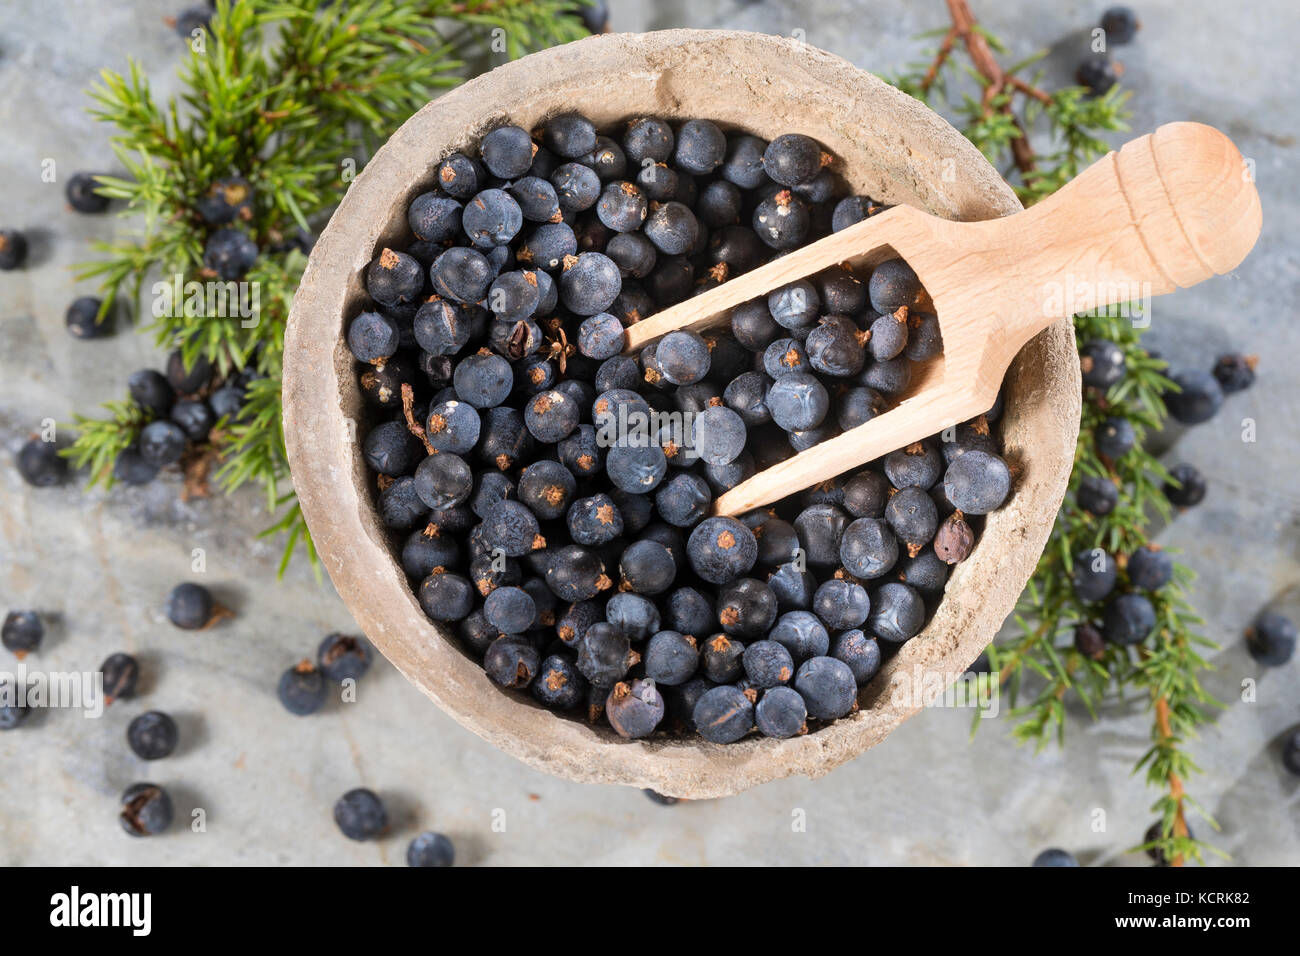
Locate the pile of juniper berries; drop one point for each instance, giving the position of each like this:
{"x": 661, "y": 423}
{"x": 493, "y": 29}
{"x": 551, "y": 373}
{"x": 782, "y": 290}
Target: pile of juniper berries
{"x": 552, "y": 495}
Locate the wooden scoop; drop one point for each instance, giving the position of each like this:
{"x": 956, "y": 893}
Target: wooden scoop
{"x": 1169, "y": 209}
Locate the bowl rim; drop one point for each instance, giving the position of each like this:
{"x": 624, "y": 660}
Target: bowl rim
{"x": 322, "y": 407}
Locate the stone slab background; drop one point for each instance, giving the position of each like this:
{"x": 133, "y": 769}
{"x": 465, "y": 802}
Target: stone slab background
{"x": 100, "y": 564}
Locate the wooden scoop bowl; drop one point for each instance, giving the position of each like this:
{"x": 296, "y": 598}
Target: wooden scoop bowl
{"x": 1169, "y": 210}
{"x": 886, "y": 145}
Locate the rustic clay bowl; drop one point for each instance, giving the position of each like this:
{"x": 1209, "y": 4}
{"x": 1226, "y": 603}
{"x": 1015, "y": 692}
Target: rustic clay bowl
{"x": 886, "y": 145}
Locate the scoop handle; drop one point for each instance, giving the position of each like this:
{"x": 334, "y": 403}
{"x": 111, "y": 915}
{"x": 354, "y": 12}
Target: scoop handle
{"x": 1168, "y": 210}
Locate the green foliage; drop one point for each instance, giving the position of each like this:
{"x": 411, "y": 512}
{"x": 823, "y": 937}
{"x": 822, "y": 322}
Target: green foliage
{"x": 1040, "y": 669}
{"x": 293, "y": 95}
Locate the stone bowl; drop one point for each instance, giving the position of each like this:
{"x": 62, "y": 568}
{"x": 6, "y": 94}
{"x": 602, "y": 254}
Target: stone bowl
{"x": 886, "y": 145}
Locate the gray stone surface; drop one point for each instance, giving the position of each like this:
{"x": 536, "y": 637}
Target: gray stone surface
{"x": 101, "y": 564}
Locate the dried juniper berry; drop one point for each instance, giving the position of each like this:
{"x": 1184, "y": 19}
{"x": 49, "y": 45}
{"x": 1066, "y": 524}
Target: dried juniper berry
{"x": 230, "y": 253}
{"x": 1150, "y": 568}
{"x": 671, "y": 658}
{"x": 1197, "y": 396}
{"x": 868, "y": 548}
{"x": 569, "y": 135}
{"x": 672, "y": 228}
{"x": 194, "y": 419}
{"x": 453, "y": 426}
{"x": 721, "y": 549}
{"x": 300, "y": 690}
{"x": 912, "y": 515}
{"x": 1093, "y": 575}
{"x": 891, "y": 376}
{"x": 689, "y": 612}
{"x": 842, "y": 604}
{"x": 866, "y": 494}
{"x": 443, "y": 481}
{"x": 919, "y": 464}
{"x": 851, "y": 210}
{"x": 793, "y": 586}
{"x": 551, "y": 417}
{"x": 594, "y": 521}
{"x": 445, "y": 596}
{"x": 622, "y": 206}
{"x": 82, "y": 319}
{"x": 434, "y": 217}
{"x": 977, "y": 482}
{"x": 719, "y": 204}
{"x": 636, "y": 469}
{"x": 589, "y": 283}
{"x": 647, "y": 567}
{"x": 892, "y": 284}
{"x": 146, "y": 810}
{"x": 462, "y": 274}
{"x": 510, "y": 610}
{"x": 767, "y": 664}
{"x": 12, "y": 713}
{"x": 1089, "y": 642}
{"x": 373, "y": 337}
{"x": 427, "y": 549}
{"x": 633, "y": 616}
{"x": 130, "y": 469}
{"x": 512, "y": 527}
{"x": 742, "y": 164}
{"x": 1098, "y": 73}
{"x": 601, "y": 336}
{"x": 683, "y": 500}
{"x": 121, "y": 674}
{"x": 781, "y": 713}
{"x": 1115, "y": 438}
{"x": 152, "y": 735}
{"x": 559, "y": 684}
{"x": 827, "y": 686}
{"x": 546, "y": 487}
{"x": 1096, "y": 495}
{"x": 483, "y": 380}
{"x": 491, "y": 218}
{"x": 82, "y": 193}
{"x": 1234, "y": 372}
{"x": 507, "y": 152}
{"x": 151, "y": 391}
{"x": 897, "y": 613}
{"x": 430, "y": 849}
{"x": 782, "y": 220}
{"x": 724, "y": 714}
{"x": 954, "y": 540}
{"x": 604, "y": 655}
{"x": 1187, "y": 488}
{"x": 1055, "y": 857}
{"x": 13, "y": 249}
{"x": 792, "y": 159}
{"x": 190, "y": 606}
{"x": 1121, "y": 25}
{"x": 1128, "y": 619}
{"x": 576, "y": 574}
{"x": 360, "y": 814}
{"x": 798, "y": 401}
{"x": 924, "y": 337}
{"x": 22, "y": 632}
{"x": 1271, "y": 640}
{"x": 511, "y": 661}
{"x": 700, "y": 147}
{"x": 162, "y": 443}
{"x": 341, "y": 657}
{"x": 1102, "y": 363}
{"x": 835, "y": 347}
{"x": 801, "y": 633}
{"x": 746, "y": 608}
{"x": 784, "y": 356}
{"x": 860, "y": 652}
{"x": 40, "y": 464}
{"x": 634, "y": 709}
